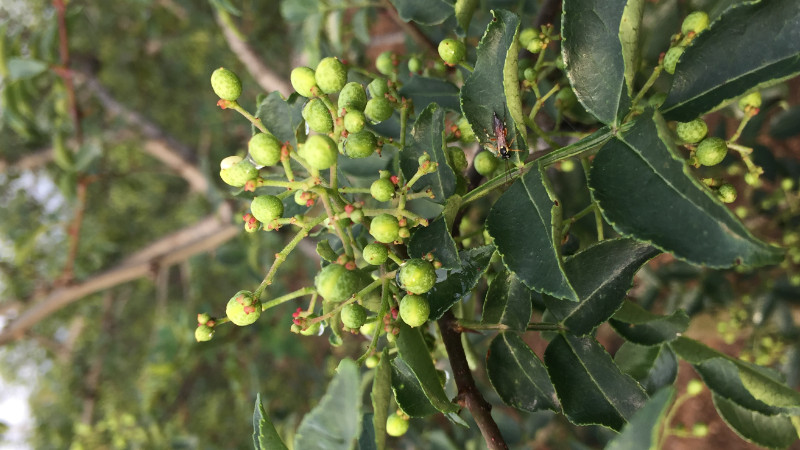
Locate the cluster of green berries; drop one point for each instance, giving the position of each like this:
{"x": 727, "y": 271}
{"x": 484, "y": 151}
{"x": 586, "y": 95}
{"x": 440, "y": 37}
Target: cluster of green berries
{"x": 692, "y": 25}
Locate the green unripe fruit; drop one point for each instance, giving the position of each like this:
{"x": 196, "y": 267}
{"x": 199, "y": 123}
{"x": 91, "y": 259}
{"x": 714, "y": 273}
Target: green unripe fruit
{"x": 331, "y": 75}
{"x": 692, "y": 132}
{"x": 361, "y": 144}
{"x": 266, "y": 208}
{"x": 265, "y": 149}
{"x": 535, "y": 45}
{"x": 226, "y": 84}
{"x": 396, "y": 425}
{"x": 671, "y": 59}
{"x": 378, "y": 87}
{"x": 303, "y": 81}
{"x": 458, "y": 159}
{"x": 353, "y": 97}
{"x": 372, "y": 362}
{"x": 382, "y": 190}
{"x": 414, "y": 310}
{"x": 357, "y": 216}
{"x": 526, "y": 35}
{"x": 384, "y": 228}
{"x": 314, "y": 329}
{"x": 417, "y": 276}
{"x": 694, "y": 387}
{"x": 414, "y": 65}
{"x": 353, "y": 315}
{"x": 236, "y": 171}
{"x": 378, "y": 109}
{"x": 727, "y": 193}
{"x": 694, "y": 22}
{"x": 203, "y": 333}
{"x": 317, "y": 116}
{"x": 711, "y": 151}
{"x": 385, "y": 63}
{"x": 336, "y": 284}
{"x": 452, "y": 51}
{"x": 375, "y": 254}
{"x": 467, "y": 135}
{"x": 700, "y": 430}
{"x": 319, "y": 151}
{"x": 565, "y": 98}
{"x": 485, "y": 163}
{"x": 354, "y": 121}
{"x": 243, "y": 309}
{"x": 750, "y": 101}
{"x": 529, "y": 74}
{"x": 368, "y": 328}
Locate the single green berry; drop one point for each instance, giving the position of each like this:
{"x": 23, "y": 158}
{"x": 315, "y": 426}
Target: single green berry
{"x": 529, "y": 74}
{"x": 467, "y": 135}
{"x": 414, "y": 65}
{"x": 361, "y": 144}
{"x": 417, "y": 276}
{"x": 694, "y": 387}
{"x": 750, "y": 101}
{"x": 226, "y": 84}
{"x": 304, "y": 198}
{"x": 353, "y": 97}
{"x": 711, "y": 151}
{"x": 243, "y": 309}
{"x": 404, "y": 233}
{"x": 787, "y": 184}
{"x": 266, "y": 208}
{"x": 378, "y": 109}
{"x": 357, "y": 216}
{"x": 385, "y": 63}
{"x": 452, "y": 51}
{"x": 700, "y": 430}
{"x": 265, "y": 149}
{"x": 384, "y": 228}
{"x": 375, "y": 254}
{"x": 236, "y": 171}
{"x": 382, "y": 190}
{"x": 485, "y": 163}
{"x": 314, "y": 329}
{"x": 535, "y": 45}
{"x": 414, "y": 310}
{"x": 203, "y": 333}
{"x": 692, "y": 132}
{"x": 319, "y": 151}
{"x": 378, "y": 87}
{"x": 671, "y": 58}
{"x": 304, "y": 81}
{"x": 354, "y": 315}
{"x": 565, "y": 98}
{"x": 317, "y": 116}
{"x": 727, "y": 193}
{"x": 526, "y": 35}
{"x": 695, "y": 22}
{"x": 458, "y": 159}
{"x": 396, "y": 425}
{"x": 372, "y": 361}
{"x": 354, "y": 121}
{"x": 331, "y": 75}
{"x": 203, "y": 318}
{"x": 368, "y": 328}
{"x": 336, "y": 284}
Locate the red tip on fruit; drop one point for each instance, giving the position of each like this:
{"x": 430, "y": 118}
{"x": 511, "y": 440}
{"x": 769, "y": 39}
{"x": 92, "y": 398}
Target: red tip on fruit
{"x": 350, "y": 265}
{"x": 394, "y": 179}
{"x": 349, "y": 208}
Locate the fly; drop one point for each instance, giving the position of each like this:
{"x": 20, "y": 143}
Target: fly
{"x": 501, "y": 134}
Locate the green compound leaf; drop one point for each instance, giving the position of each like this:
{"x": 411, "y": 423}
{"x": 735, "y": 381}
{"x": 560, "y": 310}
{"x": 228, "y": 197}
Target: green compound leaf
{"x": 591, "y": 388}
{"x": 334, "y": 422}
{"x": 766, "y": 431}
{"x": 652, "y": 366}
{"x": 265, "y": 437}
{"x": 646, "y": 191}
{"x": 435, "y": 239}
{"x": 752, "y": 44}
{"x": 642, "y": 432}
{"x": 640, "y": 326}
{"x": 424, "y": 12}
{"x": 493, "y": 87}
{"x": 427, "y": 136}
{"x": 424, "y": 91}
{"x": 594, "y": 58}
{"x": 408, "y": 392}
{"x": 412, "y": 348}
{"x": 601, "y": 275}
{"x": 274, "y": 110}
{"x": 518, "y": 376}
{"x": 381, "y": 396}
{"x": 459, "y": 282}
{"x": 508, "y": 302}
{"x": 521, "y": 223}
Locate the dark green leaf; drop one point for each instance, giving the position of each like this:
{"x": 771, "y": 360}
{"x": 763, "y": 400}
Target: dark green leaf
{"x": 424, "y": 91}
{"x": 424, "y": 12}
{"x": 412, "y": 348}
{"x": 459, "y": 282}
{"x": 508, "y": 302}
{"x": 722, "y": 377}
{"x": 593, "y": 55}
{"x": 785, "y": 124}
{"x": 435, "y": 239}
{"x": 408, "y": 392}
{"x": 629, "y": 38}
{"x": 428, "y": 137}
{"x": 367, "y": 440}
{"x": 381, "y": 396}
{"x": 733, "y": 56}
{"x": 642, "y": 432}
{"x": 265, "y": 437}
{"x": 518, "y": 376}
{"x": 21, "y": 68}
{"x": 601, "y": 275}
{"x": 653, "y": 366}
{"x": 766, "y": 431}
{"x": 591, "y": 388}
{"x": 646, "y": 191}
{"x": 521, "y": 223}
{"x": 334, "y": 422}
{"x": 638, "y": 325}
{"x": 275, "y": 111}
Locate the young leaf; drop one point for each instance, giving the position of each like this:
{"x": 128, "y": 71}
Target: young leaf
{"x": 518, "y": 376}
{"x": 459, "y": 282}
{"x": 412, "y": 348}
{"x": 629, "y": 38}
{"x": 637, "y": 179}
{"x": 265, "y": 437}
{"x": 424, "y": 91}
{"x": 435, "y": 239}
{"x": 593, "y": 55}
{"x": 380, "y": 395}
{"x": 428, "y": 137}
{"x": 640, "y": 326}
{"x": 601, "y": 275}
{"x": 642, "y": 432}
{"x": 424, "y": 12}
{"x": 591, "y": 388}
{"x": 734, "y": 55}
{"x": 334, "y": 422}
{"x": 766, "y": 431}
{"x": 508, "y": 302}
{"x": 653, "y": 366}
{"x": 521, "y": 223}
